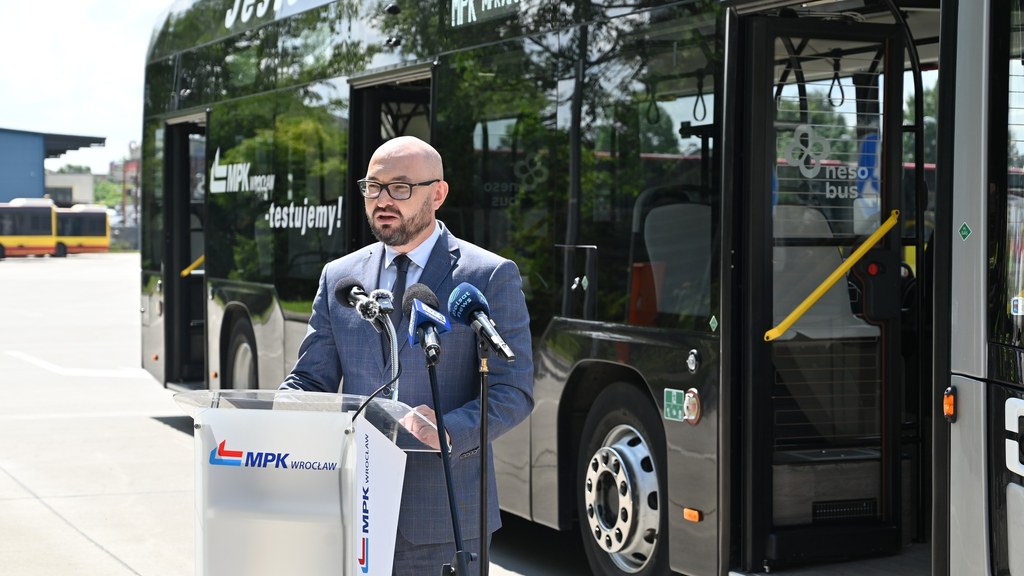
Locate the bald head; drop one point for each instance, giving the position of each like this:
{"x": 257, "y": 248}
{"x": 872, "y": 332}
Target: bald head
{"x": 410, "y": 155}
{"x": 404, "y": 224}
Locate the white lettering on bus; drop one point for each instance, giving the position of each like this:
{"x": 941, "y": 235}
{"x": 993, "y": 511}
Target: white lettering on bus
{"x": 465, "y": 11}
{"x": 847, "y": 172}
{"x": 244, "y": 9}
{"x": 845, "y": 188}
{"x": 459, "y": 8}
{"x": 305, "y": 217}
{"x": 262, "y": 183}
{"x": 235, "y": 178}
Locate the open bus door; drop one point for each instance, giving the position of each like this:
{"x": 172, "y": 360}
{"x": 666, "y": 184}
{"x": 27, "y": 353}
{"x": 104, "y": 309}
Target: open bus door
{"x": 825, "y": 465}
{"x": 389, "y": 104}
{"x": 184, "y": 248}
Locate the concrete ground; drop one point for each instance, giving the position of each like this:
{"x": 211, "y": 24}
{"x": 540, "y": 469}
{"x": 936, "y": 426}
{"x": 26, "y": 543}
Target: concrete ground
{"x": 96, "y": 462}
{"x": 91, "y": 480}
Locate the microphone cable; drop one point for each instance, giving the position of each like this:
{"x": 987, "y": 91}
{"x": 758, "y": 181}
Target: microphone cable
{"x": 375, "y": 393}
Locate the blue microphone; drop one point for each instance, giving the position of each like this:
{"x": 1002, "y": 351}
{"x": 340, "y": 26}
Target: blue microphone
{"x": 425, "y": 323}
{"x": 468, "y": 305}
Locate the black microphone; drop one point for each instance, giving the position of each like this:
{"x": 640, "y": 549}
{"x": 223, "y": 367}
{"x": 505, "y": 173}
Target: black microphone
{"x": 349, "y": 292}
{"x": 385, "y": 299}
{"x": 425, "y": 323}
{"x": 468, "y": 306}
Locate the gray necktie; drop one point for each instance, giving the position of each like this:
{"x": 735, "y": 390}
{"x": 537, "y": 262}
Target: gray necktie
{"x": 398, "y": 291}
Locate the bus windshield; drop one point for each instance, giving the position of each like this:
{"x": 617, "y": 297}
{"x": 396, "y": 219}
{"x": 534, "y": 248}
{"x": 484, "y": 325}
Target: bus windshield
{"x": 27, "y": 227}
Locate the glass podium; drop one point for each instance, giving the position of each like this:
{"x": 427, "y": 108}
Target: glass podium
{"x": 292, "y": 482}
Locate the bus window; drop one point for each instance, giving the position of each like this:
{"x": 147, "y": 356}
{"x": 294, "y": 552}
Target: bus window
{"x": 83, "y": 228}
{"x": 507, "y": 180}
{"x": 655, "y": 196}
{"x": 27, "y": 227}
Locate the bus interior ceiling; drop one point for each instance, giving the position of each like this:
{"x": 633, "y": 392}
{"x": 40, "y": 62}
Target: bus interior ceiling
{"x": 921, "y": 16}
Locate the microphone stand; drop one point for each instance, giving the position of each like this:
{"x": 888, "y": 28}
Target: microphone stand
{"x": 461, "y": 560}
{"x": 485, "y": 567}
{"x": 389, "y": 332}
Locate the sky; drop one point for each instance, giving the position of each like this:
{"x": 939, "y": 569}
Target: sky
{"x": 76, "y": 67}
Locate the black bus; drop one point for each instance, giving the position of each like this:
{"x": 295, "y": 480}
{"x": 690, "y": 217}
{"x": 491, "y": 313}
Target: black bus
{"x": 752, "y": 291}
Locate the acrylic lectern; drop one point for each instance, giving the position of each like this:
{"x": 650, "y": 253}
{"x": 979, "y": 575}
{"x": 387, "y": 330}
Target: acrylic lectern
{"x": 293, "y": 483}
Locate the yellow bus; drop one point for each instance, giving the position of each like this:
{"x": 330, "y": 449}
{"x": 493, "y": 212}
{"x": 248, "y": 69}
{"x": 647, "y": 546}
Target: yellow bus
{"x": 28, "y": 227}
{"x": 82, "y": 228}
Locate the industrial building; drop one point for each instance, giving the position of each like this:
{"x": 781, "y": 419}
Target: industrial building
{"x": 22, "y": 174}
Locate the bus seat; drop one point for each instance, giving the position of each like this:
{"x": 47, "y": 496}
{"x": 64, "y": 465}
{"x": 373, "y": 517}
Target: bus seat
{"x": 799, "y": 269}
{"x": 678, "y": 240}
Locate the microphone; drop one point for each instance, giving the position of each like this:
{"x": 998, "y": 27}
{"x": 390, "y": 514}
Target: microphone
{"x": 349, "y": 292}
{"x": 425, "y": 322}
{"x": 384, "y": 299}
{"x": 468, "y": 306}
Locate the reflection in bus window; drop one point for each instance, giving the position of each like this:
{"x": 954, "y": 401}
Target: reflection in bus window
{"x": 649, "y": 204}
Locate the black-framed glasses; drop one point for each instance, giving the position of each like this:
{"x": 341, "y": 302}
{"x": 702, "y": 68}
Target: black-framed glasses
{"x": 397, "y": 190}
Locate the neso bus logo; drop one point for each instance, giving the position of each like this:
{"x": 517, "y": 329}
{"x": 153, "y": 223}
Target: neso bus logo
{"x": 221, "y": 456}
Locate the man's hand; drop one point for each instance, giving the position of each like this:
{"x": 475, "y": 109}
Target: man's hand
{"x": 423, "y": 424}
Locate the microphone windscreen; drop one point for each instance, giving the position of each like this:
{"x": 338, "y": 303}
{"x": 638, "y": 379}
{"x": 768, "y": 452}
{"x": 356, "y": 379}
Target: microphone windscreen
{"x": 385, "y": 300}
{"x": 343, "y": 288}
{"x": 418, "y": 292}
{"x": 464, "y": 301}
{"x": 381, "y": 293}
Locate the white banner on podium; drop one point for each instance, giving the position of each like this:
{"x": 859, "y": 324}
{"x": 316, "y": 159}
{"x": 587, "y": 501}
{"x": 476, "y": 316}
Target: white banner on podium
{"x": 378, "y": 479}
{"x": 269, "y": 492}
{"x": 286, "y": 484}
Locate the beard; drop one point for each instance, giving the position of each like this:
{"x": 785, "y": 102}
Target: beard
{"x": 405, "y": 230}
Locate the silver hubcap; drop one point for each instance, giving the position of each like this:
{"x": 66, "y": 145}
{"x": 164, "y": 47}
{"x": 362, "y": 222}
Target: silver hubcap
{"x": 621, "y": 497}
{"x": 243, "y": 374}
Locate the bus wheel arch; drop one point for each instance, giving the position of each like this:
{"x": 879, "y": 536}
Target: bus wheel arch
{"x": 615, "y": 435}
{"x": 239, "y": 357}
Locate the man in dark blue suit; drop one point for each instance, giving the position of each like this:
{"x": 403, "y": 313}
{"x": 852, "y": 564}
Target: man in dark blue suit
{"x": 403, "y": 188}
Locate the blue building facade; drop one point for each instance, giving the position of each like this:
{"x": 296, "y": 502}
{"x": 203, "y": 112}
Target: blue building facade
{"x": 21, "y": 164}
{"x": 22, "y": 153}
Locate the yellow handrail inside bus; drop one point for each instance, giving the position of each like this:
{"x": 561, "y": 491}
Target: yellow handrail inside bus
{"x": 199, "y": 262}
{"x": 832, "y": 278}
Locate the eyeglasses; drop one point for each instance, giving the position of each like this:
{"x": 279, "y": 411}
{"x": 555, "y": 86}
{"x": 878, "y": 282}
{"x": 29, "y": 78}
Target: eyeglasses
{"x": 397, "y": 190}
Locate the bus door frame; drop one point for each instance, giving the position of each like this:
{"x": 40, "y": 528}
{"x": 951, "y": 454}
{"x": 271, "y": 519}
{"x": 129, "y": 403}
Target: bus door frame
{"x": 367, "y": 93}
{"x": 759, "y": 537}
{"x": 181, "y": 320}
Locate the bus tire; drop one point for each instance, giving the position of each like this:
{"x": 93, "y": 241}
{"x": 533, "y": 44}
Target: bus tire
{"x": 241, "y": 372}
{"x": 621, "y": 495}
{"x": 3, "y": 253}
{"x": 60, "y": 251}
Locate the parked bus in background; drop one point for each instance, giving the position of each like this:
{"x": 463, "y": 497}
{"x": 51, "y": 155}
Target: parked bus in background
{"x": 746, "y": 309}
{"x": 83, "y": 228}
{"x": 28, "y": 227}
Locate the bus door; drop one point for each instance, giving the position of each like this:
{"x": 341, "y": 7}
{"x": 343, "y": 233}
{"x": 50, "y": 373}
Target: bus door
{"x": 387, "y": 105}
{"x": 183, "y": 272}
{"x": 822, "y": 361}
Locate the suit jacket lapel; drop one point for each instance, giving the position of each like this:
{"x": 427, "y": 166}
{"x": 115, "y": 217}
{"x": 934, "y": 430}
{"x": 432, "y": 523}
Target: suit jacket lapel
{"x": 439, "y": 267}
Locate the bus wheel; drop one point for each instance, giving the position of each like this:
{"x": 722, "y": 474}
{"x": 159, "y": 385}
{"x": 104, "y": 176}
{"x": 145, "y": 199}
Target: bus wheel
{"x": 240, "y": 362}
{"x": 3, "y": 253}
{"x": 621, "y": 478}
{"x": 61, "y": 251}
